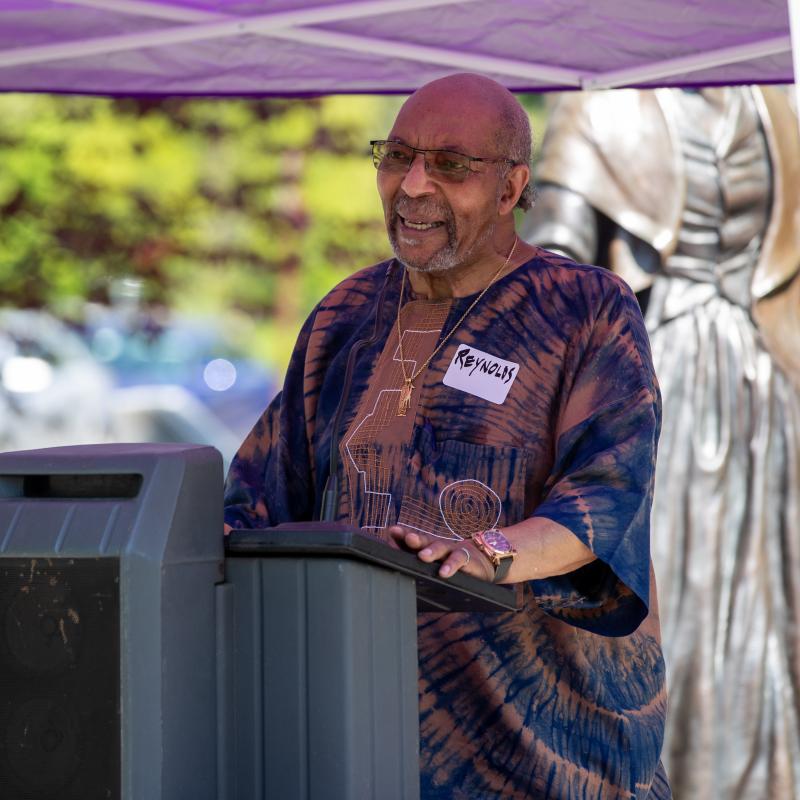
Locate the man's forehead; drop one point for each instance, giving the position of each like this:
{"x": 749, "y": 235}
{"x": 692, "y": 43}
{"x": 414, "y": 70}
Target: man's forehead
{"x": 442, "y": 122}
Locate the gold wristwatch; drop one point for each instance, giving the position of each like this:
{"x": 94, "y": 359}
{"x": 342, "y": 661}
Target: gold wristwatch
{"x": 494, "y": 545}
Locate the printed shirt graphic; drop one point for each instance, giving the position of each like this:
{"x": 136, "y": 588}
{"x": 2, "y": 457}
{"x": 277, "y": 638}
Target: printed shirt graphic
{"x": 564, "y": 699}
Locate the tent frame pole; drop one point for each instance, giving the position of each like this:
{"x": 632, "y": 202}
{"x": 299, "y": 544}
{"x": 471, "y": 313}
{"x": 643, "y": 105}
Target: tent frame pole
{"x": 794, "y": 27}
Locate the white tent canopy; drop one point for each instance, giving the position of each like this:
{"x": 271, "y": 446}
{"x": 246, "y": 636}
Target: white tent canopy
{"x": 285, "y": 47}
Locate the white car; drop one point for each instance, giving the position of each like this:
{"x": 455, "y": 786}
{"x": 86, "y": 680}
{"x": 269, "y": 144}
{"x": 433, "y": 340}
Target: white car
{"x": 52, "y": 390}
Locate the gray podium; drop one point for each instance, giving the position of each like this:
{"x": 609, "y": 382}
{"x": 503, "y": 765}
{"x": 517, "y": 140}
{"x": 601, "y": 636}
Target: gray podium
{"x": 322, "y": 634}
{"x": 138, "y": 663}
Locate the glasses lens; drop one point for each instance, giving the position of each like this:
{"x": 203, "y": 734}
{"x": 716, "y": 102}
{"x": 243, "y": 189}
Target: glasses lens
{"x": 444, "y": 165}
{"x": 447, "y": 165}
{"x": 391, "y": 156}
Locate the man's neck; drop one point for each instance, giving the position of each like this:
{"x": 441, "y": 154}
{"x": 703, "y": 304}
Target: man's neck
{"x": 471, "y": 278}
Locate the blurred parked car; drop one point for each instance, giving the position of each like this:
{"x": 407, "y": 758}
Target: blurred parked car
{"x": 52, "y": 390}
{"x": 178, "y": 379}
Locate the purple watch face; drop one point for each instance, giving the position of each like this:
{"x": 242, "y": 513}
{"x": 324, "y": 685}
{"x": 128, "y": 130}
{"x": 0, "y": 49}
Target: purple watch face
{"x": 497, "y": 541}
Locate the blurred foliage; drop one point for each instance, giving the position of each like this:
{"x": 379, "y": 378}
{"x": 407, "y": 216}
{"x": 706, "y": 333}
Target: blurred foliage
{"x": 222, "y": 207}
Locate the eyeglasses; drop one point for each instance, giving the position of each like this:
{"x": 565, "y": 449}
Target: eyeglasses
{"x": 444, "y": 165}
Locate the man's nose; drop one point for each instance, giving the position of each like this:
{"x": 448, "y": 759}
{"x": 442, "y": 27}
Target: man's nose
{"x": 416, "y": 181}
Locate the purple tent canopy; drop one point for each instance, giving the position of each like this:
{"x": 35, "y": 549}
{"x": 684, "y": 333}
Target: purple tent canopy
{"x": 285, "y": 47}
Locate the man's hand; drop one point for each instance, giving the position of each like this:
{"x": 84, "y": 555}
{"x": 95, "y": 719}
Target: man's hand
{"x": 454, "y": 554}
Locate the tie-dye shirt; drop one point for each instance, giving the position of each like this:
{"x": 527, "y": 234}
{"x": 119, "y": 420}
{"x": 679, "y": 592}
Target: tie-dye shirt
{"x": 543, "y": 403}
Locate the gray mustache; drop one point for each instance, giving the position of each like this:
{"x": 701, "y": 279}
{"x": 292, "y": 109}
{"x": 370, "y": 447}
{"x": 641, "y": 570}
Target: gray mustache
{"x": 424, "y": 208}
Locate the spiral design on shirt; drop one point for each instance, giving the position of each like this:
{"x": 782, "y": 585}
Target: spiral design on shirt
{"x": 469, "y": 507}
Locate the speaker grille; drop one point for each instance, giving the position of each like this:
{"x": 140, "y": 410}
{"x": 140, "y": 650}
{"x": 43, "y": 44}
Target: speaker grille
{"x": 59, "y": 679}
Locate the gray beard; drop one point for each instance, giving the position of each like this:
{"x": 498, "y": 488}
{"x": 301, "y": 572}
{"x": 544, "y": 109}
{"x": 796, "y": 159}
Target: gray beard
{"x": 447, "y": 257}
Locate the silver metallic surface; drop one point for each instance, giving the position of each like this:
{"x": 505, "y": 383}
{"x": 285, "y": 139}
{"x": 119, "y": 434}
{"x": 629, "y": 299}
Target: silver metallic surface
{"x": 726, "y": 515}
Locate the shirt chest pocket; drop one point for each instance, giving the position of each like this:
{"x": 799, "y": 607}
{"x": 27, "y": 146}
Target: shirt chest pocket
{"x": 454, "y": 488}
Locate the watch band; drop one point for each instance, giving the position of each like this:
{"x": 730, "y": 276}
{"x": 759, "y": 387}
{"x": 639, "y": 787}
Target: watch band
{"x": 502, "y": 568}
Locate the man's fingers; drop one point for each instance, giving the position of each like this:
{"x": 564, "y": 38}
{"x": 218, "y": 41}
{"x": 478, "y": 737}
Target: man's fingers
{"x": 452, "y": 555}
{"x": 396, "y": 534}
{"x": 458, "y": 558}
{"x": 416, "y": 540}
{"x": 435, "y": 550}
{"x": 406, "y": 538}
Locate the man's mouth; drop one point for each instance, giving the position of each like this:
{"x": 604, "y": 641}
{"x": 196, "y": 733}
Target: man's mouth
{"x": 420, "y": 225}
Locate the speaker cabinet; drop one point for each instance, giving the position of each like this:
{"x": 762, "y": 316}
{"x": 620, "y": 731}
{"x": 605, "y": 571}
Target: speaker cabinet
{"x": 59, "y": 679}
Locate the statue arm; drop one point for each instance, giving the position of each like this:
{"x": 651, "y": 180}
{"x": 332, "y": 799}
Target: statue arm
{"x": 565, "y": 222}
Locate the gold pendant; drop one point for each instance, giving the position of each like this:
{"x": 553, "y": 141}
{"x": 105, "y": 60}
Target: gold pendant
{"x": 405, "y": 397}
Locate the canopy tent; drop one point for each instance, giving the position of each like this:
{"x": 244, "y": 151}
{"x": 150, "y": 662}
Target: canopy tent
{"x": 286, "y": 47}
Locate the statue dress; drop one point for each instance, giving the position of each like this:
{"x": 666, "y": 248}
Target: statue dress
{"x": 692, "y": 196}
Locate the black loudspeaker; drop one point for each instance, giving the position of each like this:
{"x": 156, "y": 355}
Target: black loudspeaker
{"x": 59, "y": 679}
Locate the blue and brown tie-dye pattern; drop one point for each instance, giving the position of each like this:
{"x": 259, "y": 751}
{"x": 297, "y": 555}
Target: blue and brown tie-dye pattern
{"x": 564, "y": 699}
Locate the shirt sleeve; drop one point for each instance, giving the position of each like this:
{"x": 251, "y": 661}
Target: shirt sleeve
{"x": 601, "y": 484}
{"x": 270, "y": 477}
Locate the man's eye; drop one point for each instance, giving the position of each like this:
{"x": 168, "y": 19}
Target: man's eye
{"x": 396, "y": 154}
{"x": 451, "y": 165}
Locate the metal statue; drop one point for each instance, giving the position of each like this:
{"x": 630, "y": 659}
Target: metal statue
{"x": 694, "y": 198}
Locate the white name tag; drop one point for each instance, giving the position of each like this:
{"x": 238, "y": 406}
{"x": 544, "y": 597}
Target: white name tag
{"x": 481, "y": 374}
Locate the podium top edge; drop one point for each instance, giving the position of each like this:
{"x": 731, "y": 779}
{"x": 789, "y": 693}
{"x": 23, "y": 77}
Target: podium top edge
{"x": 319, "y": 539}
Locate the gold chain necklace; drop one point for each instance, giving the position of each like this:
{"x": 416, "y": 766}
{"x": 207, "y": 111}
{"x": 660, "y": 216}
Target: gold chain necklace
{"x": 408, "y": 380}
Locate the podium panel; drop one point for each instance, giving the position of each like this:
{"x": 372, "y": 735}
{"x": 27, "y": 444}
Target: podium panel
{"x": 324, "y": 679}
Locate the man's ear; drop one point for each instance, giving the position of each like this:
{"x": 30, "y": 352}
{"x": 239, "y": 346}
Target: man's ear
{"x": 515, "y": 182}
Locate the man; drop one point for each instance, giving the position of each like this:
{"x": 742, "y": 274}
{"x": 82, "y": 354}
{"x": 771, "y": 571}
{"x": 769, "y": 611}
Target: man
{"x": 501, "y": 419}
{"x": 696, "y": 204}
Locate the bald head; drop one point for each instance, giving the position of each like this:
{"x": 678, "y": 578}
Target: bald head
{"x": 490, "y": 111}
